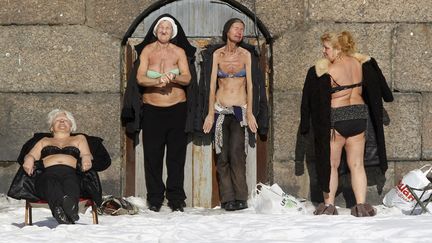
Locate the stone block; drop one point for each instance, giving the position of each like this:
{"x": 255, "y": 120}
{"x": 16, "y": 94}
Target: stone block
{"x": 403, "y": 135}
{"x": 413, "y": 58}
{"x": 42, "y": 12}
{"x": 286, "y": 121}
{"x": 370, "y": 11}
{"x": 114, "y": 17}
{"x": 58, "y": 59}
{"x": 426, "y": 126}
{"x": 296, "y": 51}
{"x": 7, "y": 173}
{"x": 285, "y": 177}
{"x": 271, "y": 12}
{"x": 25, "y": 114}
{"x": 111, "y": 177}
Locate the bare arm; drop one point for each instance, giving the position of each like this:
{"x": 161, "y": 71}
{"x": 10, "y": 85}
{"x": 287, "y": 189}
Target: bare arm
{"x": 249, "y": 89}
{"x": 86, "y": 156}
{"x": 185, "y": 76}
{"x": 142, "y": 78}
{"x": 208, "y": 123}
{"x": 32, "y": 156}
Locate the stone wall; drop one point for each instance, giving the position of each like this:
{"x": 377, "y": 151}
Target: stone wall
{"x": 396, "y": 33}
{"x": 63, "y": 53}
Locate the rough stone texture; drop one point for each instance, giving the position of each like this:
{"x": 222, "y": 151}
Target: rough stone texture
{"x": 7, "y": 173}
{"x": 271, "y": 12}
{"x": 58, "y": 59}
{"x": 286, "y": 121}
{"x": 403, "y": 135}
{"x": 42, "y": 12}
{"x": 284, "y": 175}
{"x": 114, "y": 17}
{"x": 370, "y": 11}
{"x": 426, "y": 126}
{"x": 413, "y": 58}
{"x": 297, "y": 50}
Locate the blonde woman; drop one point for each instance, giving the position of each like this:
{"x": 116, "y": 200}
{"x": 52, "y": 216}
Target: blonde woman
{"x": 340, "y": 93}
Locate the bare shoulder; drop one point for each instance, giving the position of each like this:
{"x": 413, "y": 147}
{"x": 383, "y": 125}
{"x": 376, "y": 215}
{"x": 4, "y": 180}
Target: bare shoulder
{"x": 148, "y": 49}
{"x": 218, "y": 53}
{"x": 335, "y": 68}
{"x": 41, "y": 142}
{"x": 80, "y": 138}
{"x": 178, "y": 50}
{"x": 244, "y": 52}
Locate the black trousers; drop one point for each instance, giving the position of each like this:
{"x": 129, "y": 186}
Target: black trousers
{"x": 231, "y": 162}
{"x": 164, "y": 127}
{"x": 56, "y": 182}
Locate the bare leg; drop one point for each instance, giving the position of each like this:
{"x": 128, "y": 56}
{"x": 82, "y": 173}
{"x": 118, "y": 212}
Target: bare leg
{"x": 354, "y": 148}
{"x": 336, "y": 145}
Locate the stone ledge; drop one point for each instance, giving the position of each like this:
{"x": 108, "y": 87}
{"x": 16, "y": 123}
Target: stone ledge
{"x": 370, "y": 11}
{"x": 58, "y": 59}
{"x": 42, "y": 12}
{"x": 413, "y": 58}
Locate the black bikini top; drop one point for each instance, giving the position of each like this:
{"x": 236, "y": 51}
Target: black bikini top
{"x": 344, "y": 87}
{"x": 68, "y": 150}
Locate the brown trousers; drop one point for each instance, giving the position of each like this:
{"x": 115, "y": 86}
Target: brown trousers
{"x": 231, "y": 162}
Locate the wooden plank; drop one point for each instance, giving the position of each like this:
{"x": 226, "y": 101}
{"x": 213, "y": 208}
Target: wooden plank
{"x": 262, "y": 151}
{"x": 202, "y": 173}
{"x": 129, "y": 188}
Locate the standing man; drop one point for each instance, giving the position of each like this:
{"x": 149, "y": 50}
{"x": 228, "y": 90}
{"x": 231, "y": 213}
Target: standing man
{"x": 163, "y": 75}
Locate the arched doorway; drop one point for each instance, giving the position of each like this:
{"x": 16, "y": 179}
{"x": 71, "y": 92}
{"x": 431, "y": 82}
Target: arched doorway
{"x": 202, "y": 21}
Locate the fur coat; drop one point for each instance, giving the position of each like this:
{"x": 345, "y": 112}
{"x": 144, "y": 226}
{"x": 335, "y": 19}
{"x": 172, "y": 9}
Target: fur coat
{"x": 315, "y": 112}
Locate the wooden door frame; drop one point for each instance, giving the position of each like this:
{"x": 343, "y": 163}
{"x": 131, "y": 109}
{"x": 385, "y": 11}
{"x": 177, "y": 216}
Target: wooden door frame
{"x": 128, "y": 53}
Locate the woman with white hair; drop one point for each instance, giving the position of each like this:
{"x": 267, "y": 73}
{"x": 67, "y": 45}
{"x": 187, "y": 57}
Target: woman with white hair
{"x": 60, "y": 154}
{"x": 158, "y": 98}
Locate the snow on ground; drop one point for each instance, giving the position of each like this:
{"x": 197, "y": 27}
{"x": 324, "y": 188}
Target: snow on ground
{"x": 213, "y": 225}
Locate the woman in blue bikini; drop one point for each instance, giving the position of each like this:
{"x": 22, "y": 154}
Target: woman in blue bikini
{"x": 230, "y": 110}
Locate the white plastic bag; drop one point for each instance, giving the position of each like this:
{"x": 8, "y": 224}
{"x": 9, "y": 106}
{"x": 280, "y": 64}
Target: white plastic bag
{"x": 273, "y": 200}
{"x": 401, "y": 197}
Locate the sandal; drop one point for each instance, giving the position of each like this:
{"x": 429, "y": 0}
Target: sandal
{"x": 363, "y": 210}
{"x": 328, "y": 209}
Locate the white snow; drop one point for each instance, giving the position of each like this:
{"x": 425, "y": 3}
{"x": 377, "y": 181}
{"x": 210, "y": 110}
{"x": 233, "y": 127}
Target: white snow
{"x": 213, "y": 225}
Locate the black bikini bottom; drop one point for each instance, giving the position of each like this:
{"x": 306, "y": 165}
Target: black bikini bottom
{"x": 350, "y": 128}
{"x": 349, "y": 120}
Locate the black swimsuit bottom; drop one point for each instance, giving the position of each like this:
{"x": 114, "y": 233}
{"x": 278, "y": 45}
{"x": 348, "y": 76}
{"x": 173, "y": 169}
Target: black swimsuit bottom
{"x": 349, "y": 120}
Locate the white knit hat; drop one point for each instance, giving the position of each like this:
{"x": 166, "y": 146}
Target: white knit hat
{"x": 174, "y": 26}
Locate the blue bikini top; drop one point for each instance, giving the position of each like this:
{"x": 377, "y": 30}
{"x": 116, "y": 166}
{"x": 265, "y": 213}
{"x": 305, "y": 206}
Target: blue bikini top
{"x": 239, "y": 74}
{"x": 68, "y": 150}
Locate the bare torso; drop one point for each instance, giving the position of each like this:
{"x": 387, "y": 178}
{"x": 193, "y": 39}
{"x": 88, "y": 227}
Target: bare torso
{"x": 60, "y": 159}
{"x": 231, "y": 90}
{"x": 163, "y": 61}
{"x": 347, "y": 71}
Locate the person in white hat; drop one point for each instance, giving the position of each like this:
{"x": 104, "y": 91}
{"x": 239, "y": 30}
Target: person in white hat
{"x": 163, "y": 74}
